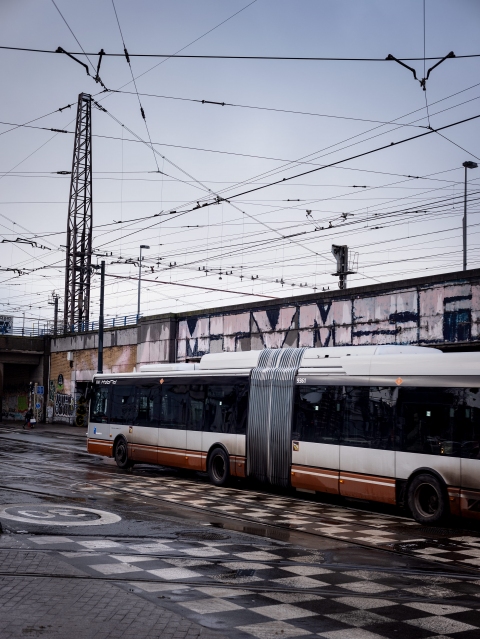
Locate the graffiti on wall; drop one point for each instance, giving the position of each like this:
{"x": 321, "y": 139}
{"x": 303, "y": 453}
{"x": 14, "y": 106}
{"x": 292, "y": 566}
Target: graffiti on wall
{"x": 63, "y": 408}
{"x": 444, "y": 313}
{"x": 14, "y": 406}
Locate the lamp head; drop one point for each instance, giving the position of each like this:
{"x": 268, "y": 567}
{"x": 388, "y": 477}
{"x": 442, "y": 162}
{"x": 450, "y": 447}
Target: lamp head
{"x": 470, "y": 165}
{"x": 144, "y": 246}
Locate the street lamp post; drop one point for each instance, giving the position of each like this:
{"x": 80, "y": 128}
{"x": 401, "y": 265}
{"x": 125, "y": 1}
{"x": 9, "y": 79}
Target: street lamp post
{"x": 467, "y": 165}
{"x": 101, "y": 316}
{"x": 142, "y": 246}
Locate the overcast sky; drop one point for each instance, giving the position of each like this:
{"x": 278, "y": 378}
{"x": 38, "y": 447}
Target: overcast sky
{"x": 400, "y": 226}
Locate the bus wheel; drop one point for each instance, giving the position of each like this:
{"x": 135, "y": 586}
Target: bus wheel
{"x": 121, "y": 454}
{"x": 426, "y": 499}
{"x": 219, "y": 467}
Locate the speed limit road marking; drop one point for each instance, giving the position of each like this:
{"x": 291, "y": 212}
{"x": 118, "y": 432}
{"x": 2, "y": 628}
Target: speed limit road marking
{"x": 50, "y": 515}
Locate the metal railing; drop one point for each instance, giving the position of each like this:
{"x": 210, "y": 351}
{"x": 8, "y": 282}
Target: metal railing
{"x": 40, "y": 330}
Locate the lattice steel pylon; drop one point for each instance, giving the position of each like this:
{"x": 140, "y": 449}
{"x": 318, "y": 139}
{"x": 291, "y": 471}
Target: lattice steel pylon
{"x": 79, "y": 226}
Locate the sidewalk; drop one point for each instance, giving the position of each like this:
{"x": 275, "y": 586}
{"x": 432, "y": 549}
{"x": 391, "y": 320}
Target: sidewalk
{"x": 42, "y": 596}
{"x": 54, "y": 429}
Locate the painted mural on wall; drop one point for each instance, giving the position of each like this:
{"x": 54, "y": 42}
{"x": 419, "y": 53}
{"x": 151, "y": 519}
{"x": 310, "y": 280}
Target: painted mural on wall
{"x": 14, "y": 406}
{"x": 444, "y": 313}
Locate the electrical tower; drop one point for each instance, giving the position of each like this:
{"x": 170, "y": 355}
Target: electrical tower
{"x": 79, "y": 226}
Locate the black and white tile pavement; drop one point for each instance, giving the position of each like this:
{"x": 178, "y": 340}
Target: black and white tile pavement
{"x": 268, "y": 590}
{"x": 340, "y": 523}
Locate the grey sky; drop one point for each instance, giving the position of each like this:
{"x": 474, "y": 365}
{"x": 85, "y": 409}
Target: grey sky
{"x": 247, "y": 239}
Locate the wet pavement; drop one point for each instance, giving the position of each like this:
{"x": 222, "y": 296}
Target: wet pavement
{"x": 91, "y": 551}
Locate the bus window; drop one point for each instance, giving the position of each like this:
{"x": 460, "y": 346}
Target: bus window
{"x": 242, "y": 408}
{"x": 100, "y": 405}
{"x": 428, "y": 418}
{"x": 221, "y": 408}
{"x": 197, "y": 406}
{"x": 318, "y": 414}
{"x": 469, "y": 427}
{"x": 148, "y": 405}
{"x": 174, "y": 408}
{"x": 383, "y": 434}
{"x": 357, "y": 429}
{"x": 123, "y": 409}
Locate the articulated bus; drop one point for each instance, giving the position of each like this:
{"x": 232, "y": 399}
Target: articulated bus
{"x": 392, "y": 424}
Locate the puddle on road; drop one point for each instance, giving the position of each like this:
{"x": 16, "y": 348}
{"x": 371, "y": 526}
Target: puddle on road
{"x": 201, "y": 535}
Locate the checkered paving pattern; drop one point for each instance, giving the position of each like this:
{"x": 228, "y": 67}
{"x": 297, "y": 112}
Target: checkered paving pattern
{"x": 269, "y": 590}
{"x": 337, "y": 522}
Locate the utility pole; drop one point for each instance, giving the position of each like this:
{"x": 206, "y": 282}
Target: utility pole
{"x": 79, "y": 226}
{"x": 55, "y": 312}
{"x": 100, "y": 319}
{"x": 55, "y": 320}
{"x": 467, "y": 165}
{"x": 341, "y": 255}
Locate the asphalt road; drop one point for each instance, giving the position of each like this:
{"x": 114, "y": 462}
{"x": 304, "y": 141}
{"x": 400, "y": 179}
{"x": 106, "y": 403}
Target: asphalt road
{"x": 88, "y": 550}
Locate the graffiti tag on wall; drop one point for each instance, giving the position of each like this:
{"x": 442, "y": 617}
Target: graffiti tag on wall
{"x": 444, "y": 313}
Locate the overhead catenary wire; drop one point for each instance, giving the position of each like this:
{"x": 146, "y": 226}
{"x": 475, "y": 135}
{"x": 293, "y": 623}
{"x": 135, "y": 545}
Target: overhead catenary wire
{"x": 206, "y": 288}
{"x": 435, "y": 202}
{"x": 245, "y": 57}
{"x": 300, "y": 161}
{"x": 354, "y": 157}
{"x": 142, "y": 111}
{"x": 287, "y": 111}
{"x": 310, "y": 171}
{"x": 258, "y": 108}
{"x": 324, "y": 166}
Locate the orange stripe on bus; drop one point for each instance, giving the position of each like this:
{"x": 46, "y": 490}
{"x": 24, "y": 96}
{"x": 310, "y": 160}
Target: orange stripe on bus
{"x": 322, "y": 480}
{"x": 370, "y": 487}
{"x": 99, "y": 447}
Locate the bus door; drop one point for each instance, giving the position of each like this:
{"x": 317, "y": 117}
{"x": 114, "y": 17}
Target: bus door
{"x": 469, "y": 443}
{"x": 122, "y": 411}
{"x": 144, "y": 435}
{"x": 315, "y": 438}
{"x": 226, "y": 410}
{"x": 172, "y": 434}
{"x": 100, "y": 439}
{"x": 429, "y": 418}
{"x": 367, "y": 444}
{"x": 194, "y": 457}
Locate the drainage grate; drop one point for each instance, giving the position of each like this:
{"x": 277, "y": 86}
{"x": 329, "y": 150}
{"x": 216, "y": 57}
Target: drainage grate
{"x": 201, "y": 535}
{"x": 244, "y": 572}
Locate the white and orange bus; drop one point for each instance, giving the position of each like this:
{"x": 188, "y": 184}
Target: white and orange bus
{"x": 392, "y": 424}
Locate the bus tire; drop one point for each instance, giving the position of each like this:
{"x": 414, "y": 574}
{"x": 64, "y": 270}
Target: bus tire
{"x": 427, "y": 499}
{"x": 121, "y": 454}
{"x": 219, "y": 467}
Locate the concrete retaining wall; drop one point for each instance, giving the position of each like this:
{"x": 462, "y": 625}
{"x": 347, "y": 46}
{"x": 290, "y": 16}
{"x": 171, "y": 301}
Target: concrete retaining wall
{"x": 440, "y": 310}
